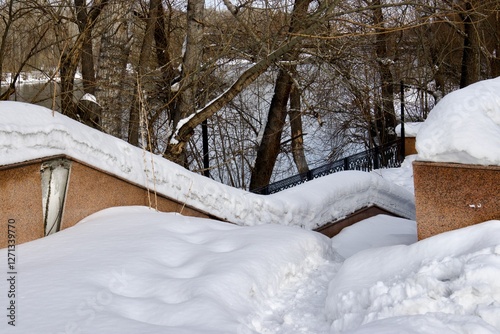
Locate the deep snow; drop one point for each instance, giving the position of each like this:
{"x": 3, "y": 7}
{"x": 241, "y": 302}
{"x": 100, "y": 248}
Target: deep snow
{"x": 464, "y": 127}
{"x": 134, "y": 270}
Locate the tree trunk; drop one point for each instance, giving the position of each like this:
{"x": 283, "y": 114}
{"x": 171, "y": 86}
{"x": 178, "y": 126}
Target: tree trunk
{"x": 88, "y": 111}
{"x": 113, "y": 90}
{"x": 164, "y": 62}
{"x": 470, "y": 71}
{"x": 8, "y": 22}
{"x": 295, "y": 116}
{"x": 270, "y": 146}
{"x": 67, "y": 71}
{"x": 73, "y": 55}
{"x": 385, "y": 116}
{"x": 142, "y": 70}
{"x": 188, "y": 86}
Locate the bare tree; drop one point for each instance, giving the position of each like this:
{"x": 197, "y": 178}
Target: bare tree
{"x": 143, "y": 68}
{"x": 73, "y": 47}
{"x": 269, "y": 147}
{"x": 470, "y": 69}
{"x": 183, "y": 134}
{"x": 385, "y": 117}
{"x": 191, "y": 63}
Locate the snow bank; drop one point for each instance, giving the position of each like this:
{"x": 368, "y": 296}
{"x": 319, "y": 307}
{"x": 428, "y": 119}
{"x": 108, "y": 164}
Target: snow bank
{"x": 28, "y": 132}
{"x": 464, "y": 127}
{"x": 402, "y": 176}
{"x": 451, "y": 278}
{"x": 133, "y": 270}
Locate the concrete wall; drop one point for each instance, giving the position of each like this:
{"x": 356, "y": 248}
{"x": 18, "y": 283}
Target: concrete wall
{"x": 88, "y": 191}
{"x": 451, "y": 196}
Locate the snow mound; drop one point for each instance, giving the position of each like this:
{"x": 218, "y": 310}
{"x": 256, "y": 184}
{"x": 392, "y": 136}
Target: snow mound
{"x": 133, "y": 270}
{"x": 464, "y": 127}
{"x": 29, "y": 132}
{"x": 451, "y": 278}
{"x": 411, "y": 129}
{"x": 374, "y": 232}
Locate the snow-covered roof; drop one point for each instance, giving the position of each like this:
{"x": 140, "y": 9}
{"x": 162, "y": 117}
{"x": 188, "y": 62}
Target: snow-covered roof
{"x": 464, "y": 127}
{"x": 30, "y": 132}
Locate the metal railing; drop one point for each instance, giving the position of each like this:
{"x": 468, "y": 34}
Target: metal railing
{"x": 388, "y": 156}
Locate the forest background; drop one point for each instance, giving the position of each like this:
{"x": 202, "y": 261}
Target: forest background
{"x": 247, "y": 91}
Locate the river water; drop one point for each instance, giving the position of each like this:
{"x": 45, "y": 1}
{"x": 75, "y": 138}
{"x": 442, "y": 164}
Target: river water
{"x": 43, "y": 94}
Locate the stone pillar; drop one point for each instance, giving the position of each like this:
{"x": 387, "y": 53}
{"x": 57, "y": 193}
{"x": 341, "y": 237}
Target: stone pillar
{"x": 449, "y": 196}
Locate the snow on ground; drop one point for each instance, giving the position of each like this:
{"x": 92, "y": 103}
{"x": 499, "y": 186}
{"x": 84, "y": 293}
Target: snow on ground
{"x": 448, "y": 283}
{"x": 464, "y": 127}
{"x": 28, "y": 132}
{"x": 383, "y": 231}
{"x": 402, "y": 176}
{"x": 134, "y": 270}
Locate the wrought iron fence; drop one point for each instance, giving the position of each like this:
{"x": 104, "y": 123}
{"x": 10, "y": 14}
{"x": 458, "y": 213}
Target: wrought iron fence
{"x": 387, "y": 156}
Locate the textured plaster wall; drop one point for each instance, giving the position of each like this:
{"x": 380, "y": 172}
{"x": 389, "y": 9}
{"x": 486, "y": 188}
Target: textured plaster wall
{"x": 21, "y": 200}
{"x": 451, "y": 196}
{"x": 88, "y": 191}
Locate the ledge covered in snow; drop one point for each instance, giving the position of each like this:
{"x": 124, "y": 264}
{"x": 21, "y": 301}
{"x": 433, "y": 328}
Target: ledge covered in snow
{"x": 29, "y": 132}
{"x": 464, "y": 127}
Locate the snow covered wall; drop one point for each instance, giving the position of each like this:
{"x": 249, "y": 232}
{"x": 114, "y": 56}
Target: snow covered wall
{"x": 30, "y": 132}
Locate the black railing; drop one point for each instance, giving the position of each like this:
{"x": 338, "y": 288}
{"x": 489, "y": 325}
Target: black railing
{"x": 387, "y": 156}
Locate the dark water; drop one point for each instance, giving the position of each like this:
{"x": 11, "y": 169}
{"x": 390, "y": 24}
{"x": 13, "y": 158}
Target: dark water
{"x": 43, "y": 94}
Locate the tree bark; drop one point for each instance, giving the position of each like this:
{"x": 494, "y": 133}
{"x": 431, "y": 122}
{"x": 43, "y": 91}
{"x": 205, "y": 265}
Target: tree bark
{"x": 295, "y": 116}
{"x": 188, "y": 85}
{"x": 270, "y": 146}
{"x": 142, "y": 70}
{"x": 164, "y": 62}
{"x": 89, "y": 112}
{"x": 113, "y": 91}
{"x": 71, "y": 56}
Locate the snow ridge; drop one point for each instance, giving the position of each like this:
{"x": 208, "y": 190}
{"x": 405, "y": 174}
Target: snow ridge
{"x": 29, "y": 132}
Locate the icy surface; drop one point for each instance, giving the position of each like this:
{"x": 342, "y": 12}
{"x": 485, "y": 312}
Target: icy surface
{"x": 29, "y": 132}
{"x": 464, "y": 127}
